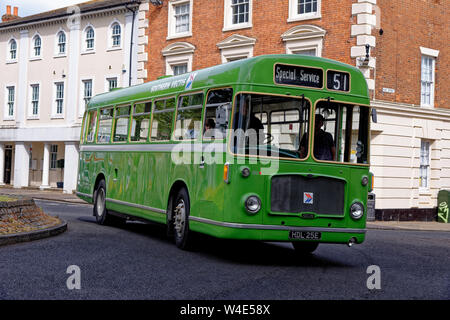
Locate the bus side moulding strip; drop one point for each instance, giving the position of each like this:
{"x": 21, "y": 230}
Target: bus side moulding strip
{"x": 137, "y": 206}
{"x": 273, "y": 227}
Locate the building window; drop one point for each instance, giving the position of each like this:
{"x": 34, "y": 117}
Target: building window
{"x": 304, "y": 9}
{"x": 240, "y": 11}
{"x": 180, "y": 18}
{"x": 237, "y": 14}
{"x": 59, "y": 98}
{"x": 11, "y": 93}
{"x": 90, "y": 36}
{"x": 37, "y": 46}
{"x": 179, "y": 69}
{"x": 87, "y": 93}
{"x": 35, "y": 100}
{"x": 54, "y": 156}
{"x": 427, "y": 81}
{"x": 236, "y": 47}
{"x": 112, "y": 83}
{"x": 116, "y": 35}
{"x": 13, "y": 49}
{"x": 305, "y": 40}
{"x": 61, "y": 43}
{"x": 424, "y": 164}
{"x": 178, "y": 57}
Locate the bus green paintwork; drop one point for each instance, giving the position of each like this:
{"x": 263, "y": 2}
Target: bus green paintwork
{"x": 139, "y": 182}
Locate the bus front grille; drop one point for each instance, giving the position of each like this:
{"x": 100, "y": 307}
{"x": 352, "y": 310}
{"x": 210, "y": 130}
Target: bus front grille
{"x": 297, "y": 194}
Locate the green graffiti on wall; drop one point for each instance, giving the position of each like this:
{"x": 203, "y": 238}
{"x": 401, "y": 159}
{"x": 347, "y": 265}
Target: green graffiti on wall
{"x": 443, "y": 212}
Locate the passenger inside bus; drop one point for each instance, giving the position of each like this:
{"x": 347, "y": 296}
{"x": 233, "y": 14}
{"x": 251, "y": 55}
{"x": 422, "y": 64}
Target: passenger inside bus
{"x": 324, "y": 148}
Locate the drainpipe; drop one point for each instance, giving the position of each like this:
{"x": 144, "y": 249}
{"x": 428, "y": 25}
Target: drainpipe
{"x": 131, "y": 42}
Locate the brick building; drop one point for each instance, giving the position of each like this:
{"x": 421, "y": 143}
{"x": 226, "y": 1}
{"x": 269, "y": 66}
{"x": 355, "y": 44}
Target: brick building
{"x": 400, "y": 46}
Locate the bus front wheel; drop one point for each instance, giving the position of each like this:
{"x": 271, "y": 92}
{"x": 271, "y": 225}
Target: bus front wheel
{"x": 304, "y": 247}
{"x": 180, "y": 220}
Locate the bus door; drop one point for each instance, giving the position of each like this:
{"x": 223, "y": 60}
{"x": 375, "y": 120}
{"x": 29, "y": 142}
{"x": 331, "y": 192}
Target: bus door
{"x": 210, "y": 185}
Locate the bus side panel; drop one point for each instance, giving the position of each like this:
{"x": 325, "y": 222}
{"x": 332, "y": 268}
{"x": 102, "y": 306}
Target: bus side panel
{"x": 210, "y": 190}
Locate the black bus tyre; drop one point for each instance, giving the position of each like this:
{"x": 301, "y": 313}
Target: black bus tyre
{"x": 101, "y": 214}
{"x": 303, "y": 248}
{"x": 180, "y": 220}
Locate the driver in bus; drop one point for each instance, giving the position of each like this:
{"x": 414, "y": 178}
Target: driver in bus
{"x": 324, "y": 148}
{"x": 249, "y": 123}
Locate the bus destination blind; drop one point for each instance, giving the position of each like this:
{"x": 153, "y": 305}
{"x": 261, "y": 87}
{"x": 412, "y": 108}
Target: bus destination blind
{"x": 298, "y": 76}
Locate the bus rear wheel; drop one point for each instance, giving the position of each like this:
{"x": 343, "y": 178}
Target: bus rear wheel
{"x": 180, "y": 220}
{"x": 304, "y": 247}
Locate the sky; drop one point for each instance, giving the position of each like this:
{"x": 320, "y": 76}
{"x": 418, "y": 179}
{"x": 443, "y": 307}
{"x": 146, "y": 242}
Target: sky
{"x": 29, "y": 7}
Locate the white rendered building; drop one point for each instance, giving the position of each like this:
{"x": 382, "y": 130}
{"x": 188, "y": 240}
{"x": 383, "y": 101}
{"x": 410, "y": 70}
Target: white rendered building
{"x": 50, "y": 65}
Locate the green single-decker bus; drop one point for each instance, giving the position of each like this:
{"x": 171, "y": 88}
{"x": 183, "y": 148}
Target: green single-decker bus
{"x": 269, "y": 148}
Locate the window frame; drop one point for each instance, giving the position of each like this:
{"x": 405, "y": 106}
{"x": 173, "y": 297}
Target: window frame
{"x": 228, "y": 17}
{"x": 133, "y": 114}
{"x": 172, "y": 20}
{"x": 112, "y": 124}
{"x": 10, "y": 50}
{"x": 86, "y": 49}
{"x": 58, "y": 44}
{"x": 428, "y": 82}
{"x": 295, "y": 16}
{"x": 427, "y": 165}
{"x": 116, "y": 118}
{"x": 8, "y": 102}
{"x": 177, "y": 109}
{"x": 33, "y": 101}
{"x": 161, "y": 111}
{"x": 55, "y": 113}
{"x": 36, "y": 52}
{"x": 53, "y": 162}
{"x": 205, "y": 104}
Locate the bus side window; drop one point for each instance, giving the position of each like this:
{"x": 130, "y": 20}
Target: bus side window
{"x": 140, "y": 124}
{"x": 105, "y": 125}
{"x": 217, "y": 113}
{"x": 83, "y": 128}
{"x": 189, "y": 117}
{"x": 91, "y": 126}
{"x": 122, "y": 118}
{"x": 162, "y": 119}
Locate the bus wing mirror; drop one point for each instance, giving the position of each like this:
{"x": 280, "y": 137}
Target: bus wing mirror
{"x": 374, "y": 116}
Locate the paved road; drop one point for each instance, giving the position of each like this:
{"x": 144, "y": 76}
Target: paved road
{"x": 136, "y": 261}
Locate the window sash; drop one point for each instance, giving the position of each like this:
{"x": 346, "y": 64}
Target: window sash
{"x": 182, "y": 18}
{"x": 179, "y": 69}
{"x": 427, "y": 81}
{"x": 307, "y": 6}
{"x": 37, "y": 46}
{"x": 240, "y": 11}
{"x": 424, "y": 163}
{"x": 116, "y": 35}
{"x": 90, "y": 38}
{"x": 35, "y": 99}
{"x": 13, "y": 49}
{"x": 53, "y": 156}
{"x": 87, "y": 91}
{"x": 62, "y": 42}
{"x": 59, "y": 98}
{"x": 11, "y": 98}
{"x": 112, "y": 83}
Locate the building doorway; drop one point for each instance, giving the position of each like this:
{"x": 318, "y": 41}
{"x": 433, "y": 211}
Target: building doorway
{"x": 8, "y": 165}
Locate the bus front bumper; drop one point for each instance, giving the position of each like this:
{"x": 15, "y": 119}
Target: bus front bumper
{"x": 229, "y": 230}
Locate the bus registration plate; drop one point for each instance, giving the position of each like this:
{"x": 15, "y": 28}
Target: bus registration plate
{"x": 305, "y": 235}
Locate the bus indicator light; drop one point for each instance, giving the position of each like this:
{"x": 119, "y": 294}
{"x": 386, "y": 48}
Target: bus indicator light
{"x": 226, "y": 172}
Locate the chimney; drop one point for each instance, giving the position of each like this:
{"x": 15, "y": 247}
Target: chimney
{"x": 9, "y": 16}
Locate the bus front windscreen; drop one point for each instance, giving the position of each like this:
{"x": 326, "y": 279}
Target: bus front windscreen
{"x": 278, "y": 126}
{"x": 270, "y": 125}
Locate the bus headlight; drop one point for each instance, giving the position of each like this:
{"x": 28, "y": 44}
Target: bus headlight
{"x": 253, "y": 204}
{"x": 357, "y": 210}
